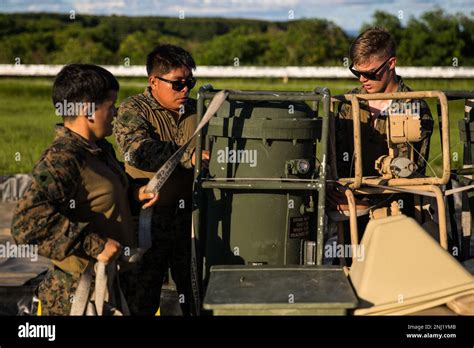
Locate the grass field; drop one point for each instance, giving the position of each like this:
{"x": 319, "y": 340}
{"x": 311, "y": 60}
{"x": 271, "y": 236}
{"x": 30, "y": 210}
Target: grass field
{"x": 27, "y": 115}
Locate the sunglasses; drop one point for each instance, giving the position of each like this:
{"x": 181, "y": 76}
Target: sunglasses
{"x": 178, "y": 85}
{"x": 370, "y": 75}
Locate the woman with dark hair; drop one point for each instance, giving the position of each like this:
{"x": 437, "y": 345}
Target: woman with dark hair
{"x": 77, "y": 209}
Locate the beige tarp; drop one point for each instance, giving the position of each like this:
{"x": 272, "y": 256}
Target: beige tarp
{"x": 404, "y": 271}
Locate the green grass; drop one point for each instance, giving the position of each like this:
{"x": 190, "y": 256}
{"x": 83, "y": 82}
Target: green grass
{"x": 27, "y": 115}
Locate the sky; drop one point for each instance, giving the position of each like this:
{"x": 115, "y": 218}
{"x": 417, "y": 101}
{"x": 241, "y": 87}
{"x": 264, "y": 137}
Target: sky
{"x": 348, "y": 14}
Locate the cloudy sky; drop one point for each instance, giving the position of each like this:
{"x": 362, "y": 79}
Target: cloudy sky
{"x": 349, "y": 14}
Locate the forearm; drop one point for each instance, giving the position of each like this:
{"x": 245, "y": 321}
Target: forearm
{"x": 186, "y": 161}
{"x": 148, "y": 154}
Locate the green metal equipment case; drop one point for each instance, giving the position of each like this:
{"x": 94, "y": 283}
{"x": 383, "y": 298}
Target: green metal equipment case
{"x": 290, "y": 290}
{"x": 265, "y": 191}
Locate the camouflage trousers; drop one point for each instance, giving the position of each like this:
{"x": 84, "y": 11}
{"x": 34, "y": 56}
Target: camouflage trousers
{"x": 171, "y": 248}
{"x": 56, "y": 292}
{"x": 58, "y": 288}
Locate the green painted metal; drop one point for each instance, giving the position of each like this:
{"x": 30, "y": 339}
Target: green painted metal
{"x": 326, "y": 101}
{"x": 244, "y": 290}
{"x": 260, "y": 221}
{"x": 466, "y": 125}
{"x": 263, "y": 185}
{"x": 263, "y": 128}
{"x": 463, "y": 175}
{"x": 254, "y": 227}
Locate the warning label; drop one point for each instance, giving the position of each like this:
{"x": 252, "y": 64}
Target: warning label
{"x": 299, "y": 226}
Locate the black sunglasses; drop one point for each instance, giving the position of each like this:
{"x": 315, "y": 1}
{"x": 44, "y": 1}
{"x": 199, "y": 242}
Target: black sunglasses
{"x": 178, "y": 85}
{"x": 370, "y": 75}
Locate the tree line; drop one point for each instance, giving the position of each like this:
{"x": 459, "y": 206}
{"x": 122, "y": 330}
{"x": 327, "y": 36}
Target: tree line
{"x": 434, "y": 38}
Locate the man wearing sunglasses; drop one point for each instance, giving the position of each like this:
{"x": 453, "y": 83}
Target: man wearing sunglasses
{"x": 374, "y": 59}
{"x": 149, "y": 128}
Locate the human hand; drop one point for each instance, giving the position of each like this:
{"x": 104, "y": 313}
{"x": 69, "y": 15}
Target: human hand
{"x": 143, "y": 196}
{"x": 111, "y": 251}
{"x": 205, "y": 159}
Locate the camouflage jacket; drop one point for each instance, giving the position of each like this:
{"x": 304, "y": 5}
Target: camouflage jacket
{"x": 77, "y": 199}
{"x": 148, "y": 135}
{"x": 373, "y": 137}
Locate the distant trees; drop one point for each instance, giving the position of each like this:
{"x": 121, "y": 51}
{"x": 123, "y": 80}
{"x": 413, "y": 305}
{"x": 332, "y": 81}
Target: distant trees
{"x": 135, "y": 46}
{"x": 435, "y": 38}
{"x": 237, "y": 47}
{"x": 316, "y": 42}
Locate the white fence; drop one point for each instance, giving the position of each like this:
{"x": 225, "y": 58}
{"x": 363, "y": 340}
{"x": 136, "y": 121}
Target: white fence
{"x": 249, "y": 71}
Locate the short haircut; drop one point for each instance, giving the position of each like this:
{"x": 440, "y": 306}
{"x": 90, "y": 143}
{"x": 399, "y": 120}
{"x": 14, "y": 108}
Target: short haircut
{"x": 165, "y": 58}
{"x": 83, "y": 83}
{"x": 374, "y": 42}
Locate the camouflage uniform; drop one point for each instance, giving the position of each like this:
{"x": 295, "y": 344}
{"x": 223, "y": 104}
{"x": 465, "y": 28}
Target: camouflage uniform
{"x": 148, "y": 135}
{"x": 374, "y": 145}
{"x": 373, "y": 139}
{"x": 77, "y": 199}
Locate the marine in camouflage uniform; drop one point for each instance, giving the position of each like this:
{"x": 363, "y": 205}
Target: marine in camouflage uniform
{"x": 373, "y": 135}
{"x": 79, "y": 197}
{"x": 148, "y": 135}
{"x": 374, "y": 145}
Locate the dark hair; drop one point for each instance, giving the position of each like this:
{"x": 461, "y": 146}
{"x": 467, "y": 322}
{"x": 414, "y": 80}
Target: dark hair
{"x": 165, "y": 58}
{"x": 372, "y": 42}
{"x": 87, "y": 83}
